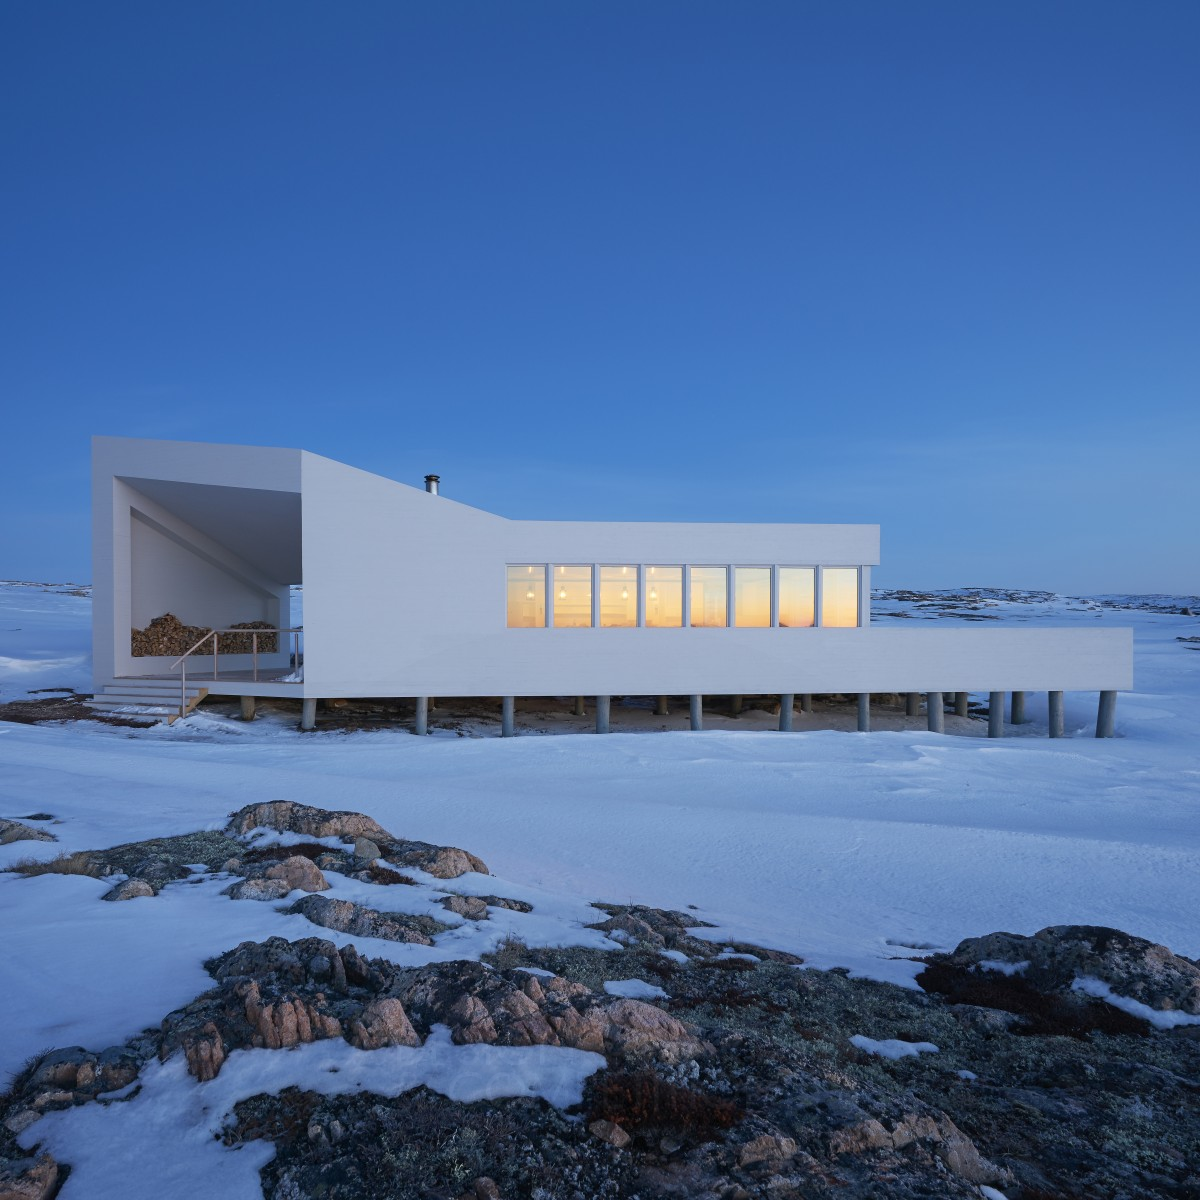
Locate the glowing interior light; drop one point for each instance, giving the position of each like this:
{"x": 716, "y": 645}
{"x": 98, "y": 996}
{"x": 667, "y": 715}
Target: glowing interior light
{"x": 624, "y": 593}
{"x": 562, "y": 593}
{"x": 653, "y": 591}
{"x": 529, "y": 594}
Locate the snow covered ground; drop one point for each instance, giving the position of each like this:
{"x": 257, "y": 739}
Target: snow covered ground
{"x": 849, "y": 849}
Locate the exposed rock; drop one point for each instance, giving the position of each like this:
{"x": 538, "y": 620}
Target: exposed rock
{"x": 348, "y": 917}
{"x": 28, "y": 1178}
{"x": 15, "y": 831}
{"x": 504, "y": 902}
{"x": 300, "y": 873}
{"x": 288, "y": 817}
{"x": 130, "y": 889}
{"x": 513, "y": 1008}
{"x": 610, "y": 1132}
{"x": 953, "y": 1146}
{"x": 485, "y": 1188}
{"x": 383, "y": 1023}
{"x": 443, "y": 862}
{"x": 205, "y": 1052}
{"x": 471, "y": 907}
{"x": 766, "y": 1148}
{"x": 1131, "y": 966}
{"x": 365, "y": 849}
{"x": 258, "y": 889}
{"x": 287, "y": 1021}
{"x": 962, "y": 1156}
{"x": 662, "y": 929}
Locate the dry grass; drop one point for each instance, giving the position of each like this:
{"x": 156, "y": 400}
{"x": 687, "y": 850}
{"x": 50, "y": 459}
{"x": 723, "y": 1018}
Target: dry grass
{"x": 79, "y": 863}
{"x": 1043, "y": 1013}
{"x": 642, "y": 1102}
{"x": 385, "y": 875}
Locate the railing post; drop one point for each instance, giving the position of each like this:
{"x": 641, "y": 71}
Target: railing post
{"x": 254, "y": 651}
{"x": 216, "y": 647}
{"x": 183, "y": 688}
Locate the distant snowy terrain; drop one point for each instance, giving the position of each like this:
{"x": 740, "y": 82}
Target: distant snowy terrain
{"x": 851, "y": 850}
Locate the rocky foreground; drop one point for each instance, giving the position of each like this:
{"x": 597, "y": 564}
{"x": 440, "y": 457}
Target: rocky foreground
{"x": 742, "y": 1076}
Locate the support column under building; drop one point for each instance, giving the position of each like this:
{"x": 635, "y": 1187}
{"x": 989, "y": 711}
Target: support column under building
{"x": 962, "y": 704}
{"x": 308, "y": 714}
{"x": 806, "y": 702}
{"x": 1054, "y": 707}
{"x": 995, "y": 714}
{"x": 580, "y": 707}
{"x": 508, "y": 709}
{"x": 661, "y": 708}
{"x": 735, "y": 706}
{"x": 1017, "y": 708}
{"x": 421, "y": 722}
{"x": 912, "y": 704}
{"x": 248, "y": 705}
{"x": 935, "y": 713}
{"x": 696, "y": 711}
{"x": 786, "y": 701}
{"x": 864, "y": 712}
{"x": 1106, "y": 715}
{"x": 602, "y": 713}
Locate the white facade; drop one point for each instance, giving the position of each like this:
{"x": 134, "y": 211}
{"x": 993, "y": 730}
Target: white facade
{"x": 405, "y": 592}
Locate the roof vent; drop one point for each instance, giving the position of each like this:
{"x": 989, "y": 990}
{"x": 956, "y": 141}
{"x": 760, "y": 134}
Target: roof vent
{"x": 431, "y": 484}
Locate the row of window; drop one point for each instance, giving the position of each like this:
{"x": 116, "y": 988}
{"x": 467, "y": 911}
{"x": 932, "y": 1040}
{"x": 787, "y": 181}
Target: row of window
{"x": 568, "y": 596}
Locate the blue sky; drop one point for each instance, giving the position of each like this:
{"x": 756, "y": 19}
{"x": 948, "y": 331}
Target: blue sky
{"x": 929, "y": 264}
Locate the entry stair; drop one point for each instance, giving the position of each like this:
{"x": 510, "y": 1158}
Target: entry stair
{"x": 154, "y": 699}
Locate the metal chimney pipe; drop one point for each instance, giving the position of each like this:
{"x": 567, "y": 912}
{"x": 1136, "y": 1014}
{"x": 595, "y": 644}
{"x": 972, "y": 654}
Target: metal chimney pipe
{"x": 431, "y": 484}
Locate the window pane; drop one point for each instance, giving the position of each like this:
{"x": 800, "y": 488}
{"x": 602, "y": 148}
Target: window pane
{"x": 797, "y": 588}
{"x": 839, "y": 597}
{"x": 572, "y": 597}
{"x": 664, "y": 597}
{"x": 527, "y": 596}
{"x": 752, "y": 597}
{"x": 709, "y": 596}
{"x": 618, "y": 596}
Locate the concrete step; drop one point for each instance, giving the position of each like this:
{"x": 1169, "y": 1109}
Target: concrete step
{"x": 154, "y": 698}
{"x": 165, "y": 694}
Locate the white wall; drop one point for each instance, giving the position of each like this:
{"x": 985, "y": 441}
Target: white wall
{"x": 405, "y": 595}
{"x": 148, "y": 561}
{"x": 168, "y": 574}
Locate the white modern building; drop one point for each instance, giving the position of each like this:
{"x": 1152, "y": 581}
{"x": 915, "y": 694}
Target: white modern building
{"x": 410, "y": 594}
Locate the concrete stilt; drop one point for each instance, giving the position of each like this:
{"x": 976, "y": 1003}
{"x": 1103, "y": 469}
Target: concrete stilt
{"x": 735, "y": 706}
{"x": 508, "y": 712}
{"x": 912, "y": 704}
{"x": 1054, "y": 704}
{"x": 806, "y": 702}
{"x": 995, "y": 714}
{"x": 1106, "y": 715}
{"x": 864, "y": 712}
{"x": 248, "y": 703}
{"x": 421, "y": 723}
{"x": 1017, "y": 708}
{"x": 661, "y": 708}
{"x": 308, "y": 714}
{"x": 785, "y": 712}
{"x": 935, "y": 712}
{"x": 962, "y": 704}
{"x": 580, "y": 707}
{"x": 602, "y": 713}
{"x": 696, "y": 711}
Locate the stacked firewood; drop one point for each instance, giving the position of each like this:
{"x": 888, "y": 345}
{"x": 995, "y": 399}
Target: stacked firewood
{"x": 168, "y": 636}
